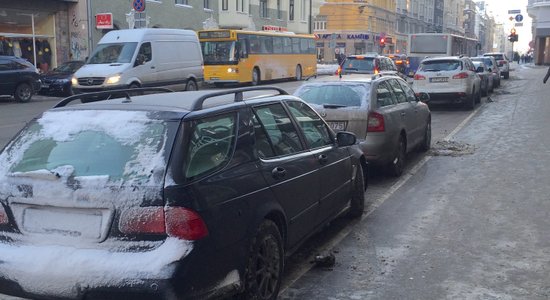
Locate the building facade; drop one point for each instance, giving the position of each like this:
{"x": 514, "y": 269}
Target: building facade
{"x": 413, "y": 16}
{"x": 539, "y": 11}
{"x": 355, "y": 27}
{"x": 453, "y": 16}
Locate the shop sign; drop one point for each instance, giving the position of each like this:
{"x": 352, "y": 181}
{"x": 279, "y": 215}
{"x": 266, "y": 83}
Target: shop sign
{"x": 104, "y": 21}
{"x": 358, "y": 36}
{"x": 273, "y": 28}
{"x": 338, "y": 36}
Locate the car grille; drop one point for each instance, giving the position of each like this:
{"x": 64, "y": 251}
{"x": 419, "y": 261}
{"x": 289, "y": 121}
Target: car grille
{"x": 88, "y": 81}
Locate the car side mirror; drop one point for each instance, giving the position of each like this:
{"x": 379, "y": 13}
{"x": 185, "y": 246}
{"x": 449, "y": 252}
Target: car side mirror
{"x": 345, "y": 138}
{"x": 490, "y": 70}
{"x": 423, "y": 97}
{"x": 479, "y": 70}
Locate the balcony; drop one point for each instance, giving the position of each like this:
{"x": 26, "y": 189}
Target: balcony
{"x": 535, "y": 3}
{"x": 534, "y": 6}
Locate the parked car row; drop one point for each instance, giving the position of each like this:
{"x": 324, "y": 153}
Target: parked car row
{"x": 458, "y": 79}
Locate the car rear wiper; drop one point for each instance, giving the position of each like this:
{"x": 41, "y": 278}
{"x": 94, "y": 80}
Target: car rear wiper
{"x": 327, "y": 105}
{"x": 432, "y": 70}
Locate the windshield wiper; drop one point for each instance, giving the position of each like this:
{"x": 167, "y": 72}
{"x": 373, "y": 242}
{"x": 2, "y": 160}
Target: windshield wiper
{"x": 38, "y": 174}
{"x": 327, "y": 105}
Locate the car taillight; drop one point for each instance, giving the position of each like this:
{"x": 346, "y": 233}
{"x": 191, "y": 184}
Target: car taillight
{"x": 376, "y": 70}
{"x": 461, "y": 75}
{"x": 179, "y": 222}
{"x": 501, "y": 63}
{"x": 375, "y": 122}
{"x": 419, "y": 77}
{"x": 3, "y": 216}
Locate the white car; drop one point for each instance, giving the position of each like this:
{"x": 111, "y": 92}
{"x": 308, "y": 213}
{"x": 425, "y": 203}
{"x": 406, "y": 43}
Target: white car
{"x": 449, "y": 79}
{"x": 502, "y": 61}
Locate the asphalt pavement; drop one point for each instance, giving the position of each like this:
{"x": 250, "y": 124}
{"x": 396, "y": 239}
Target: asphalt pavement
{"x": 470, "y": 222}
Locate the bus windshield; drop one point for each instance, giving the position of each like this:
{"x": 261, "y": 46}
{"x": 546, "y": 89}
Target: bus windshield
{"x": 219, "y": 53}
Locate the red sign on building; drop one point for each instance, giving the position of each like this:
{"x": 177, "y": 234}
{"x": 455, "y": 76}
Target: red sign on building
{"x": 104, "y": 21}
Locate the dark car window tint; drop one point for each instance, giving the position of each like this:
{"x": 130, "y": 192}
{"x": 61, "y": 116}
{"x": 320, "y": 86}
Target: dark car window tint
{"x": 315, "y": 130}
{"x": 262, "y": 143}
{"x": 279, "y": 129}
{"x": 4, "y": 65}
{"x": 335, "y": 94}
{"x": 210, "y": 144}
{"x": 384, "y": 96}
{"x": 439, "y": 65}
{"x": 408, "y": 91}
{"x": 145, "y": 53}
{"x": 398, "y": 91}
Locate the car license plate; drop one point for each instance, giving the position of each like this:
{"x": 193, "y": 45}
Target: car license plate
{"x": 439, "y": 79}
{"x": 214, "y": 78}
{"x": 338, "y": 126}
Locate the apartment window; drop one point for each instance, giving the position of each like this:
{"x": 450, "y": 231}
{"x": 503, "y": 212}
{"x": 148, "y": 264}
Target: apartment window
{"x": 240, "y": 5}
{"x": 279, "y": 10}
{"x": 263, "y": 9}
{"x": 207, "y": 4}
{"x": 303, "y": 10}
{"x": 225, "y": 4}
{"x": 291, "y": 10}
{"x": 182, "y": 2}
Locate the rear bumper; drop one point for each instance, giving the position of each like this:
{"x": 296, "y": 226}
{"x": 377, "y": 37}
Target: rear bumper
{"x": 378, "y": 148}
{"x": 458, "y": 97}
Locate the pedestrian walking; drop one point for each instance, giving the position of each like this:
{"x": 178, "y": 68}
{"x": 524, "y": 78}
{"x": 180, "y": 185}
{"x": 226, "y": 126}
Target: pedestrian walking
{"x": 547, "y": 75}
{"x": 340, "y": 57}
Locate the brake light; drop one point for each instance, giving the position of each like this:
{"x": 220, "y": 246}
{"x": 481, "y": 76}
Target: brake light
{"x": 461, "y": 75}
{"x": 178, "y": 222}
{"x": 376, "y": 71}
{"x": 375, "y": 122}
{"x": 419, "y": 77}
{"x": 3, "y": 216}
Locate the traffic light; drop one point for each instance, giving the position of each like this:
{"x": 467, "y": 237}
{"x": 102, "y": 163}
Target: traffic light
{"x": 382, "y": 42}
{"x": 513, "y": 37}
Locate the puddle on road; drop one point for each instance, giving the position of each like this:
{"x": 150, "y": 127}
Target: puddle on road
{"x": 451, "y": 148}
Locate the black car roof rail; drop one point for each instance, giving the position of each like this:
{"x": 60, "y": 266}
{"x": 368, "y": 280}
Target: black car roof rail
{"x": 111, "y": 94}
{"x": 238, "y": 94}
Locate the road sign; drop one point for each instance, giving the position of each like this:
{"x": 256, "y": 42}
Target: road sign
{"x": 519, "y": 18}
{"x": 511, "y": 18}
{"x": 139, "y": 5}
{"x": 518, "y": 25}
{"x": 514, "y": 11}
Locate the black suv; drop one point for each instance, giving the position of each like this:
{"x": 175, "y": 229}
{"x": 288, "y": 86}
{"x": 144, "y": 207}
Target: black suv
{"x": 170, "y": 195}
{"x": 369, "y": 64}
{"x": 18, "y": 78}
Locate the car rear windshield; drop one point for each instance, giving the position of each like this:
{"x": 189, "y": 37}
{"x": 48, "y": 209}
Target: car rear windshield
{"x": 486, "y": 60}
{"x": 336, "y": 94}
{"x": 358, "y": 65}
{"x": 440, "y": 65}
{"x": 120, "y": 146}
{"x": 496, "y": 56}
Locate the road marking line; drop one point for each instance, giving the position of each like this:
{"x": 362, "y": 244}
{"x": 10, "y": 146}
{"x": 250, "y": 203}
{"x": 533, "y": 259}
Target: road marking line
{"x": 299, "y": 273}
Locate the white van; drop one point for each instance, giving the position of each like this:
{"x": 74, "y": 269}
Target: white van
{"x": 149, "y": 57}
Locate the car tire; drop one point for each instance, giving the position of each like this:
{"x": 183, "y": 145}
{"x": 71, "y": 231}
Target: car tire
{"x": 134, "y": 85}
{"x": 506, "y": 75}
{"x": 357, "y": 202}
{"x": 397, "y": 164}
{"x": 256, "y": 76}
{"x": 265, "y": 264}
{"x": 427, "y": 141}
{"x": 298, "y": 73}
{"x": 23, "y": 92}
{"x": 471, "y": 102}
{"x": 191, "y": 85}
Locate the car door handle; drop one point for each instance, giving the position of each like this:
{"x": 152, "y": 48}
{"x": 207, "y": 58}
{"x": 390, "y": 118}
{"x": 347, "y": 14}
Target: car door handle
{"x": 278, "y": 173}
{"x": 322, "y": 159}
{"x": 152, "y": 67}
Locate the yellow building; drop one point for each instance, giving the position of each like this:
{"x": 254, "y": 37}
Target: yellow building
{"x": 355, "y": 27}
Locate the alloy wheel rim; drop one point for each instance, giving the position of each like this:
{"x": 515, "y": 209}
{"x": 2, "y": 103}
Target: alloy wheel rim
{"x": 267, "y": 267}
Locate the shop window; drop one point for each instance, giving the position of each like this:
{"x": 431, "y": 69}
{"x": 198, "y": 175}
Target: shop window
{"x": 182, "y": 2}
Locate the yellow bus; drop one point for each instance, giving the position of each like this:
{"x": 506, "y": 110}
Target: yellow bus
{"x": 239, "y": 56}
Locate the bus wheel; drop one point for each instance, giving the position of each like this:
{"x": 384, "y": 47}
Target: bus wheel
{"x": 255, "y": 76}
{"x": 298, "y": 73}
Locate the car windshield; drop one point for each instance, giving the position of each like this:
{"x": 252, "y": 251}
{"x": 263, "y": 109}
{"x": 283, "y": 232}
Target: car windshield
{"x": 113, "y": 53}
{"x": 90, "y": 143}
{"x": 359, "y": 65}
{"x": 440, "y": 65}
{"x": 69, "y": 67}
{"x": 333, "y": 94}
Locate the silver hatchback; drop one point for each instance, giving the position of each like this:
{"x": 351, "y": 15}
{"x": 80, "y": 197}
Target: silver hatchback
{"x": 385, "y": 114}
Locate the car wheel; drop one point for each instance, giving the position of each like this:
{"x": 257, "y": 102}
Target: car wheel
{"x": 191, "y": 85}
{"x": 23, "y": 92}
{"x": 265, "y": 263}
{"x": 506, "y": 75}
{"x": 298, "y": 73}
{"x": 427, "y": 141}
{"x": 398, "y": 162}
{"x": 69, "y": 91}
{"x": 357, "y": 202}
{"x": 471, "y": 102}
{"x": 256, "y": 76}
{"x": 134, "y": 85}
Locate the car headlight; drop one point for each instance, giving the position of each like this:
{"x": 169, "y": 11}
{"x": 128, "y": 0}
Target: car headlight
{"x": 113, "y": 79}
{"x": 232, "y": 70}
{"x": 74, "y": 81}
